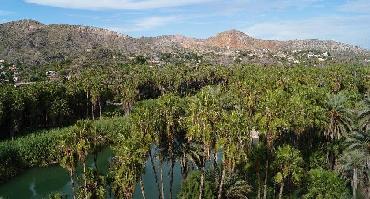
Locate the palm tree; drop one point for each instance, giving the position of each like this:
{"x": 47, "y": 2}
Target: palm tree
{"x": 258, "y": 157}
{"x": 359, "y": 140}
{"x": 289, "y": 163}
{"x": 99, "y": 142}
{"x": 203, "y": 113}
{"x": 129, "y": 94}
{"x": 353, "y": 161}
{"x": 339, "y": 117}
{"x": 357, "y": 156}
{"x": 94, "y": 82}
{"x": 69, "y": 160}
{"x": 145, "y": 118}
{"x": 169, "y": 111}
{"x": 235, "y": 187}
{"x": 187, "y": 152}
{"x": 364, "y": 116}
{"x": 128, "y": 164}
{"x": 339, "y": 121}
{"x": 83, "y": 147}
{"x": 233, "y": 136}
{"x": 273, "y": 120}
{"x": 199, "y": 130}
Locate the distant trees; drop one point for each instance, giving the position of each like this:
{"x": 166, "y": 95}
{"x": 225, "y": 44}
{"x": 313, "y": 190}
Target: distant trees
{"x": 35, "y": 106}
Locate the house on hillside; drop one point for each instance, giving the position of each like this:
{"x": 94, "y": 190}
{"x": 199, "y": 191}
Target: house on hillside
{"x": 52, "y": 75}
{"x": 13, "y": 68}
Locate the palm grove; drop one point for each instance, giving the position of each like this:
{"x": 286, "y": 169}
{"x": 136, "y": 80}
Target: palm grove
{"x": 236, "y": 132}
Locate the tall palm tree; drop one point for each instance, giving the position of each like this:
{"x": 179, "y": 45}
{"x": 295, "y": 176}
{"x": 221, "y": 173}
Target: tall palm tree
{"x": 233, "y": 136}
{"x": 169, "y": 111}
{"x": 146, "y": 119}
{"x": 99, "y": 141}
{"x": 353, "y": 161}
{"x": 357, "y": 156}
{"x": 203, "y": 113}
{"x": 339, "y": 117}
{"x": 235, "y": 187}
{"x": 364, "y": 116}
{"x": 128, "y": 164}
{"x": 83, "y": 129}
{"x": 339, "y": 121}
{"x": 200, "y": 131}
{"x": 289, "y": 164}
{"x": 273, "y": 119}
{"x": 69, "y": 160}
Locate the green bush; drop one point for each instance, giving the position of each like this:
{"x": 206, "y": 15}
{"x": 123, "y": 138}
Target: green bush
{"x": 324, "y": 184}
{"x": 34, "y": 150}
{"x": 41, "y": 148}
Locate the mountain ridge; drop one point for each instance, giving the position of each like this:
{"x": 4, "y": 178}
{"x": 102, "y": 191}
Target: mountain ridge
{"x": 34, "y": 43}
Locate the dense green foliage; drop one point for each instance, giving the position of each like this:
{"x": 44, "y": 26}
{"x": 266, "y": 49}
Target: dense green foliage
{"x": 190, "y": 187}
{"x": 55, "y": 103}
{"x": 29, "y": 151}
{"x": 288, "y": 162}
{"x": 280, "y": 132}
{"x": 42, "y": 148}
{"x": 325, "y": 184}
{"x": 39, "y": 105}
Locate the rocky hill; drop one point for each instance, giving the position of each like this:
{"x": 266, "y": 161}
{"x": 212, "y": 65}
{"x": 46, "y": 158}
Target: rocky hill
{"x": 234, "y": 39}
{"x": 30, "y": 42}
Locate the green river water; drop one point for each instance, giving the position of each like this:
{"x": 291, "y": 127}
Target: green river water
{"x": 40, "y": 182}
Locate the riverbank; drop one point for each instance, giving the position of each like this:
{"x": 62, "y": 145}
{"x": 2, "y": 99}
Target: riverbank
{"x": 40, "y": 149}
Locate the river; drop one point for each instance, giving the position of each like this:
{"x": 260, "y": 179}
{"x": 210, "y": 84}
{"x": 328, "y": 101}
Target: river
{"x": 38, "y": 183}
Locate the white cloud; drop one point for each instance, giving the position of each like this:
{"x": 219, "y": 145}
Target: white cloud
{"x": 349, "y": 29}
{"x": 285, "y": 4}
{"x": 264, "y": 6}
{"x": 153, "y": 22}
{"x": 360, "y": 6}
{"x": 116, "y": 4}
{"x": 220, "y": 5}
{"x": 147, "y": 23}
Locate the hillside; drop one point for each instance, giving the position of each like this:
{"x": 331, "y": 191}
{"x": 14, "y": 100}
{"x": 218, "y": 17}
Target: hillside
{"x": 32, "y": 43}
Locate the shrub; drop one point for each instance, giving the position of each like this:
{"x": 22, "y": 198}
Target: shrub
{"x": 326, "y": 184}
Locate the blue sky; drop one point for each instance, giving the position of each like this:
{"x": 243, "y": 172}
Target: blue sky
{"x": 340, "y": 20}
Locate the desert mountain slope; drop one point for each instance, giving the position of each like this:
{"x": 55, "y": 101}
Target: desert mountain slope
{"x": 33, "y": 43}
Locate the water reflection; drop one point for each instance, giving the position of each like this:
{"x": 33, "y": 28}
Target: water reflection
{"x": 40, "y": 182}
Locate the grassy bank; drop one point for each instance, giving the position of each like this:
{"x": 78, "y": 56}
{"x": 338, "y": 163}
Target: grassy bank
{"x": 41, "y": 148}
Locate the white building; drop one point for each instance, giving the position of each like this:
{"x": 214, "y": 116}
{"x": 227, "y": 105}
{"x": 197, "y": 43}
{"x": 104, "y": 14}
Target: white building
{"x": 321, "y": 59}
{"x": 255, "y": 136}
